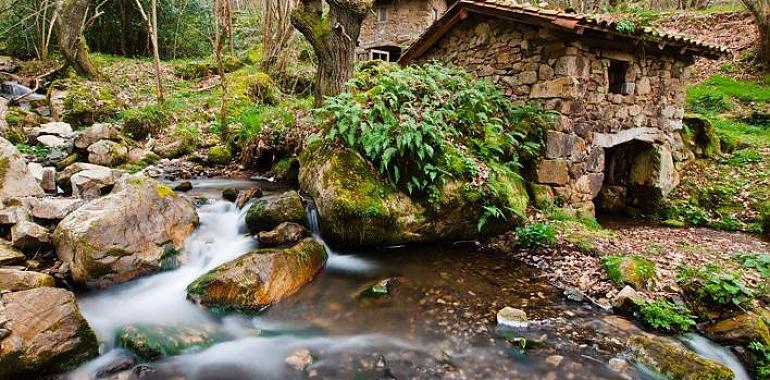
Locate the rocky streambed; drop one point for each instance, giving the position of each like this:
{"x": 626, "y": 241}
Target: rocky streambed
{"x": 127, "y": 278}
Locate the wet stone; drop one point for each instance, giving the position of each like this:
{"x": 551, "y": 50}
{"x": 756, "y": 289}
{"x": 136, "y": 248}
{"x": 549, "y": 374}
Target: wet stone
{"x": 511, "y": 317}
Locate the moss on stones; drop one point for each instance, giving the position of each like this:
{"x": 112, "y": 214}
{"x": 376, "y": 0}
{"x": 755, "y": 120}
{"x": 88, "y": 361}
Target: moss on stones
{"x": 262, "y": 89}
{"x": 636, "y": 271}
{"x": 673, "y": 361}
{"x": 702, "y": 136}
{"x": 138, "y": 123}
{"x": 154, "y": 342}
{"x": 87, "y": 103}
{"x": 220, "y": 155}
{"x": 267, "y": 213}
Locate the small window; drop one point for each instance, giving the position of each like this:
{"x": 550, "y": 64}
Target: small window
{"x": 379, "y": 54}
{"x": 616, "y": 74}
{"x": 382, "y": 14}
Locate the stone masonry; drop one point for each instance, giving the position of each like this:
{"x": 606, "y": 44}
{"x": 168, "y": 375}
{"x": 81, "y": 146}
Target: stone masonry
{"x": 572, "y": 76}
{"x": 405, "y": 21}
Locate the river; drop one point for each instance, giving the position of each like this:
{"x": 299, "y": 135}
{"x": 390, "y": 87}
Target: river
{"x": 437, "y": 323}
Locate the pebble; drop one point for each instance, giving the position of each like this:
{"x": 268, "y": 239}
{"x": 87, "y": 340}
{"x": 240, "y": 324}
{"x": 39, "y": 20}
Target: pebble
{"x": 554, "y": 360}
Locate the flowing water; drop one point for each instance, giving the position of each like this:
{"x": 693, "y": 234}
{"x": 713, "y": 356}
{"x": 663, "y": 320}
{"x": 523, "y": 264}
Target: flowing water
{"x": 438, "y": 322}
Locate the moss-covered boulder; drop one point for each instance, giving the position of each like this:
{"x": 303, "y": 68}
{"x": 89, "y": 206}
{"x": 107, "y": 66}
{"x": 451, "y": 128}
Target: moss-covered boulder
{"x": 742, "y": 329}
{"x": 268, "y": 212}
{"x": 86, "y": 103}
{"x": 702, "y": 136}
{"x": 125, "y": 234}
{"x": 220, "y": 155}
{"x": 636, "y": 271}
{"x": 673, "y": 361}
{"x": 48, "y": 335}
{"x": 154, "y": 342}
{"x": 286, "y": 169}
{"x": 357, "y": 208}
{"x": 262, "y": 89}
{"x": 259, "y": 278}
{"x": 138, "y": 123}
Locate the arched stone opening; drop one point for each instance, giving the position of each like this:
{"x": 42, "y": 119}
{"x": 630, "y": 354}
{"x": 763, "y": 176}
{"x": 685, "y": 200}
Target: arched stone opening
{"x": 637, "y": 176}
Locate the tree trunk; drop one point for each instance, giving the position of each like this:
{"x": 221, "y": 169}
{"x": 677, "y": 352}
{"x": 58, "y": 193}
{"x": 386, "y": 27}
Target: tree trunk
{"x": 151, "y": 22}
{"x": 222, "y": 30}
{"x": 760, "y": 9}
{"x": 71, "y": 40}
{"x": 333, "y": 43}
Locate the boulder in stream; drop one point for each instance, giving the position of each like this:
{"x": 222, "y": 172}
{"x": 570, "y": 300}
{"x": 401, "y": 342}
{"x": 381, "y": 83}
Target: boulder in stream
{"x": 744, "y": 328}
{"x": 268, "y": 212}
{"x": 154, "y": 342}
{"x": 46, "y": 334}
{"x": 125, "y": 234}
{"x": 259, "y": 278}
{"x": 286, "y": 233}
{"x": 15, "y": 178}
{"x": 673, "y": 361}
{"x": 357, "y": 208}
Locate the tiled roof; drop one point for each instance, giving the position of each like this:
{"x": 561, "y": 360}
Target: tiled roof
{"x": 573, "y": 21}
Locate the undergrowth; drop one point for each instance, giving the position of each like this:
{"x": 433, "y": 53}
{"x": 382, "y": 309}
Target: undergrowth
{"x": 666, "y": 316}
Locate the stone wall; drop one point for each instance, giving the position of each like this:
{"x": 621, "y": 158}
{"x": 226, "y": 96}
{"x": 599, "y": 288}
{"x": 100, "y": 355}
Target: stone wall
{"x": 406, "y": 20}
{"x": 561, "y": 73}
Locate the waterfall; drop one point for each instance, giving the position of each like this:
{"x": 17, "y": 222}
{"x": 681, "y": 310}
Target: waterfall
{"x": 710, "y": 350}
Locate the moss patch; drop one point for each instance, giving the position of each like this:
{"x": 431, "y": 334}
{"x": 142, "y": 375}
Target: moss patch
{"x": 636, "y": 271}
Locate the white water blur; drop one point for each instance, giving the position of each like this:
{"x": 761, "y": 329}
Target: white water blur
{"x": 710, "y": 350}
{"x": 343, "y": 263}
{"x": 161, "y": 298}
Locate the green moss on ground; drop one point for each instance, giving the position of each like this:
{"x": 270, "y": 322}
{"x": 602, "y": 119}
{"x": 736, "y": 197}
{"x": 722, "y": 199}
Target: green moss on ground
{"x": 220, "y": 155}
{"x": 639, "y": 272}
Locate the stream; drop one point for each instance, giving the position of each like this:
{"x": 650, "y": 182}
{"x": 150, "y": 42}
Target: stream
{"x": 438, "y": 322}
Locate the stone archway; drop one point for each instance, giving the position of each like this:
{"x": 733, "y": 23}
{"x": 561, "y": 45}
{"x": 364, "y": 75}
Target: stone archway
{"x": 637, "y": 175}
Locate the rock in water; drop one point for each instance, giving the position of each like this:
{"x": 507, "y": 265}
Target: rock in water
{"x": 742, "y": 329}
{"x": 247, "y": 195}
{"x": 47, "y": 334}
{"x": 286, "y": 233}
{"x": 125, "y": 234}
{"x": 154, "y": 342}
{"x": 267, "y": 213}
{"x": 15, "y": 177}
{"x": 511, "y": 317}
{"x": 673, "y": 361}
{"x": 357, "y": 208}
{"x": 260, "y": 278}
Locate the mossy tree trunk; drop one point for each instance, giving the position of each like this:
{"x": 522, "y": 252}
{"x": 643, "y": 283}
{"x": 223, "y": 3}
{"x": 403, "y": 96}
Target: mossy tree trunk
{"x": 72, "y": 43}
{"x": 334, "y": 37}
{"x": 760, "y": 9}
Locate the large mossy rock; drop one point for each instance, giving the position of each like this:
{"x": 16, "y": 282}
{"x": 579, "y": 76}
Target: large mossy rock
{"x": 673, "y": 361}
{"x": 155, "y": 342}
{"x": 269, "y": 212}
{"x": 637, "y": 271}
{"x": 15, "y": 178}
{"x": 48, "y": 335}
{"x": 357, "y": 208}
{"x": 85, "y": 103}
{"x": 742, "y": 329}
{"x": 125, "y": 234}
{"x": 259, "y": 278}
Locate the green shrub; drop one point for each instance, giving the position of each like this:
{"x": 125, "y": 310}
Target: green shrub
{"x": 40, "y": 151}
{"x": 422, "y": 125}
{"x": 138, "y": 123}
{"x": 632, "y": 270}
{"x": 536, "y": 235}
{"x": 87, "y": 103}
{"x": 743, "y": 157}
{"x": 663, "y": 315}
{"x": 763, "y": 353}
{"x": 711, "y": 284}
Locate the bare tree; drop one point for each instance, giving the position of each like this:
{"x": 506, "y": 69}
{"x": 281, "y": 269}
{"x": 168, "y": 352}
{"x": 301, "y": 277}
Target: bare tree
{"x": 760, "y": 9}
{"x": 222, "y": 26}
{"x": 45, "y": 21}
{"x": 72, "y": 22}
{"x": 277, "y": 30}
{"x": 151, "y": 23}
{"x": 333, "y": 38}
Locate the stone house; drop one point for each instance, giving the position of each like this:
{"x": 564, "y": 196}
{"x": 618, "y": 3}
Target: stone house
{"x": 619, "y": 96}
{"x": 394, "y": 24}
